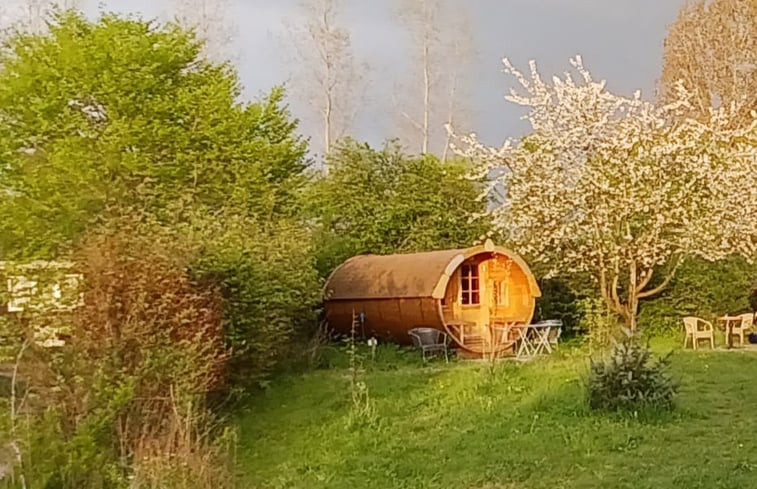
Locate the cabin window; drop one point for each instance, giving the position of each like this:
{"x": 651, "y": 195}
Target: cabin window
{"x": 469, "y": 284}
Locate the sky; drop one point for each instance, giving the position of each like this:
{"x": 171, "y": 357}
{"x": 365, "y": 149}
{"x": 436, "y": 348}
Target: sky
{"x": 620, "y": 41}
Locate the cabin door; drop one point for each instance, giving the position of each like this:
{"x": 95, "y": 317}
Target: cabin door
{"x": 474, "y": 306}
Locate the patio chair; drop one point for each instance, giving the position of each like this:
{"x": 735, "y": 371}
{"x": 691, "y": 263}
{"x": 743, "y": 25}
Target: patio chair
{"x": 555, "y": 331}
{"x": 692, "y": 326}
{"x": 430, "y": 340}
{"x": 747, "y": 321}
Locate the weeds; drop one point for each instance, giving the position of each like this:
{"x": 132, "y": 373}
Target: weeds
{"x": 362, "y": 409}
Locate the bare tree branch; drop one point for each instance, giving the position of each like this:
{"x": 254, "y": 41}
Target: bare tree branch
{"x": 327, "y": 79}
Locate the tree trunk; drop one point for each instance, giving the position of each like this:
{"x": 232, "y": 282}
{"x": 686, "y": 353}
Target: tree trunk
{"x": 633, "y": 300}
{"x": 327, "y": 125}
{"x": 426, "y": 97}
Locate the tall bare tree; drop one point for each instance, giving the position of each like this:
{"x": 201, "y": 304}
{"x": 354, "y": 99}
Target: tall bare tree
{"x": 433, "y": 93}
{"x": 32, "y": 15}
{"x": 211, "y": 21}
{"x": 327, "y": 77}
{"x": 712, "y": 49}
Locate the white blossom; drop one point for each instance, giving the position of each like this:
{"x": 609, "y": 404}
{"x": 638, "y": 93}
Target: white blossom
{"x": 619, "y": 187}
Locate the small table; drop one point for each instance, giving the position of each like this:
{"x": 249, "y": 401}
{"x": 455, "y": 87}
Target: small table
{"x": 533, "y": 339}
{"x": 541, "y": 337}
{"x": 728, "y": 323}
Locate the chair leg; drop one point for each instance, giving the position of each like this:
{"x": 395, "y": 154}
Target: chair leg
{"x": 685, "y": 341}
{"x": 712, "y": 342}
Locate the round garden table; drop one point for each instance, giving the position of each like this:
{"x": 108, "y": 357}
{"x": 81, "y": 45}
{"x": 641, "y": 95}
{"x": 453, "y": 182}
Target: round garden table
{"x": 728, "y": 323}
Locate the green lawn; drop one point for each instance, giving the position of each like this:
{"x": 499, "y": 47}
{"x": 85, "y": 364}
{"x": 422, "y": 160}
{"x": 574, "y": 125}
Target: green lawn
{"x": 524, "y": 426}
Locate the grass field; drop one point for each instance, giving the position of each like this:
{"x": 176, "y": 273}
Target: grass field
{"x": 521, "y": 426}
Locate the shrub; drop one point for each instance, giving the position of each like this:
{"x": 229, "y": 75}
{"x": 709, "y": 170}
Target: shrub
{"x": 559, "y": 301}
{"x": 630, "y": 379}
{"x": 386, "y": 201}
{"x": 700, "y": 288}
{"x": 270, "y": 291}
{"x": 597, "y": 323}
{"x": 127, "y": 392}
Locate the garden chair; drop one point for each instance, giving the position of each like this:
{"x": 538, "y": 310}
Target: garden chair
{"x": 555, "y": 331}
{"x": 747, "y": 321}
{"x": 430, "y": 340}
{"x": 692, "y": 326}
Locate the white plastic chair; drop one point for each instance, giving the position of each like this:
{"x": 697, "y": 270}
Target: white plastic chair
{"x": 747, "y": 321}
{"x": 691, "y": 326}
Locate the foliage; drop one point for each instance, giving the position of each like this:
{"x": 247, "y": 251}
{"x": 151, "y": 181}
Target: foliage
{"x": 620, "y": 188}
{"x": 269, "y": 286}
{"x": 598, "y": 324}
{"x": 135, "y": 122}
{"x": 124, "y": 111}
{"x": 630, "y": 379}
{"x": 704, "y": 289}
{"x": 128, "y": 388}
{"x": 559, "y": 301}
{"x": 383, "y": 201}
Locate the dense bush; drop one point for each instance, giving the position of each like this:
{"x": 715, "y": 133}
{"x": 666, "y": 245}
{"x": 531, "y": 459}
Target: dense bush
{"x": 559, "y": 301}
{"x": 270, "y": 290}
{"x": 134, "y": 121}
{"x": 127, "y": 391}
{"x": 630, "y": 379}
{"x": 700, "y": 288}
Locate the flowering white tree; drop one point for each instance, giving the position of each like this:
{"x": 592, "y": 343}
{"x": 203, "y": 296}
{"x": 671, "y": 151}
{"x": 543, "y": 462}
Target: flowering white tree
{"x": 618, "y": 187}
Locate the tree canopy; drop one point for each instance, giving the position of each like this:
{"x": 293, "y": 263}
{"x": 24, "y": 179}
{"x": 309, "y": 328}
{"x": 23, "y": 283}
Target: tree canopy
{"x": 621, "y": 188}
{"x": 124, "y": 112}
{"x": 384, "y": 201}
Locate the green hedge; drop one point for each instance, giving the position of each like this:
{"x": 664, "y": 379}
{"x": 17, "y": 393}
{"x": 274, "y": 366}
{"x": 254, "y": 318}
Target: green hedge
{"x": 704, "y": 289}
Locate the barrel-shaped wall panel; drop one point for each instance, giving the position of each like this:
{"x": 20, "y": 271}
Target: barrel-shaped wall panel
{"x": 389, "y": 319}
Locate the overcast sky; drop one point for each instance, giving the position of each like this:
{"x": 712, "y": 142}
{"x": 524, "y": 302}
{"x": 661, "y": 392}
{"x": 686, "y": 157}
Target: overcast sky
{"x": 620, "y": 41}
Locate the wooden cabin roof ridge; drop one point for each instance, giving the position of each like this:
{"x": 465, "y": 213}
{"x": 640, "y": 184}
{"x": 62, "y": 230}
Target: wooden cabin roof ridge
{"x": 408, "y": 275}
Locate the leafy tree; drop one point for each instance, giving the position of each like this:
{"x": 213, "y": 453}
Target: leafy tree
{"x": 126, "y": 112}
{"x": 121, "y": 119}
{"x": 384, "y": 201}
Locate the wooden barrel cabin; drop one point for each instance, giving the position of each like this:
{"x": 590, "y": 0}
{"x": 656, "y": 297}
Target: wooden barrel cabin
{"x": 466, "y": 292}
